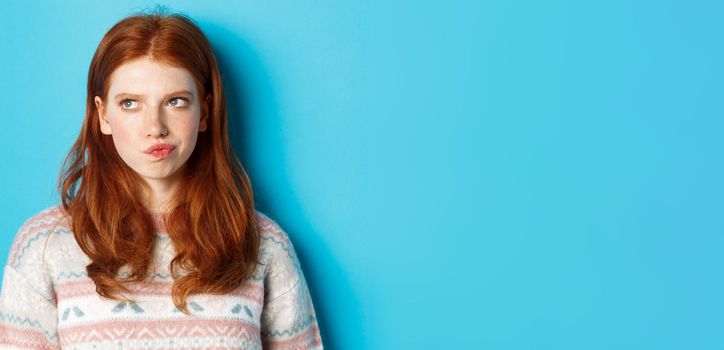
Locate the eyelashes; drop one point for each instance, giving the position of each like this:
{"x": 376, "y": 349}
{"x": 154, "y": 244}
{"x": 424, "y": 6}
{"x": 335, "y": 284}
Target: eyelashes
{"x": 176, "y": 102}
{"x": 180, "y": 102}
{"x": 129, "y": 104}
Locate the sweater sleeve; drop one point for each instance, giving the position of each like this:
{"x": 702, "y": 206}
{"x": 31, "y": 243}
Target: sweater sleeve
{"x": 27, "y": 318}
{"x": 288, "y": 319}
{"x": 28, "y": 312}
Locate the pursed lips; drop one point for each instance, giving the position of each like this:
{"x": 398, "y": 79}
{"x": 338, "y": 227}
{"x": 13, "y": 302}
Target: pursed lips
{"x": 160, "y": 146}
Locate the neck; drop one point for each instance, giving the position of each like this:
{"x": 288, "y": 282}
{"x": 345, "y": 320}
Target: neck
{"x": 159, "y": 198}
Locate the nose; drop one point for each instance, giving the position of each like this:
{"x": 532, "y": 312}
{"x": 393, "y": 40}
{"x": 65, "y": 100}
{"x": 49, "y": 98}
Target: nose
{"x": 156, "y": 123}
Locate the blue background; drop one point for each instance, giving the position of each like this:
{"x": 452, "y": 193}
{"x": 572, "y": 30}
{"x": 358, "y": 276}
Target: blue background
{"x": 488, "y": 175}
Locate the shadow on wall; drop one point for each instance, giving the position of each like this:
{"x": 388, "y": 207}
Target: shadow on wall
{"x": 334, "y": 301}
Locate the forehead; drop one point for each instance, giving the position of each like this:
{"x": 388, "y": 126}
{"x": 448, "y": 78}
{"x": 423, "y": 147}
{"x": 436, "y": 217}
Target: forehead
{"x": 149, "y": 77}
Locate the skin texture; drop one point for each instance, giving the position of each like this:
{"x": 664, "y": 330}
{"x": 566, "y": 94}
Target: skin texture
{"x": 143, "y": 108}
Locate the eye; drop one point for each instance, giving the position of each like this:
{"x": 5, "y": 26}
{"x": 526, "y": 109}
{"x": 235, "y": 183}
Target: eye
{"x": 178, "y": 102}
{"x": 129, "y": 104}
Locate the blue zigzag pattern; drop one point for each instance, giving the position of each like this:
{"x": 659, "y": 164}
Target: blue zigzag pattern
{"x": 292, "y": 331}
{"x": 28, "y": 322}
{"x": 285, "y": 247}
{"x": 27, "y": 244}
{"x": 71, "y": 275}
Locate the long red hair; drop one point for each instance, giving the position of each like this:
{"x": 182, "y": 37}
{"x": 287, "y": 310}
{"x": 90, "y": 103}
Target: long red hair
{"x": 212, "y": 225}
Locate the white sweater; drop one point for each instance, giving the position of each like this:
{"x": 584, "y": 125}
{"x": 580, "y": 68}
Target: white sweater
{"x": 48, "y": 301}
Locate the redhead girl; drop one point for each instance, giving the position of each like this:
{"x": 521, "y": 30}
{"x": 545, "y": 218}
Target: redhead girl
{"x": 156, "y": 243}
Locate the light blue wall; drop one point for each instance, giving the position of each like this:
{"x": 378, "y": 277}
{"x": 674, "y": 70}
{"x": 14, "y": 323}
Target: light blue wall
{"x": 482, "y": 174}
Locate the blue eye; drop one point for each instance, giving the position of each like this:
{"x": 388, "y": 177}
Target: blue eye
{"x": 129, "y": 104}
{"x": 178, "y": 102}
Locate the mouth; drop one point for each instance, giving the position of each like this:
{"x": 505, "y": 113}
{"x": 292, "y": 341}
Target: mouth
{"x": 160, "y": 151}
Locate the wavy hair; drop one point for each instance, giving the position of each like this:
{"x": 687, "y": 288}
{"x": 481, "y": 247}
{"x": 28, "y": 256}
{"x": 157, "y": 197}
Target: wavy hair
{"x": 212, "y": 224}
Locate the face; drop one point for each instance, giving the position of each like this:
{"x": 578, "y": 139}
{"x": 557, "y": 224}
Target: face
{"x": 149, "y": 104}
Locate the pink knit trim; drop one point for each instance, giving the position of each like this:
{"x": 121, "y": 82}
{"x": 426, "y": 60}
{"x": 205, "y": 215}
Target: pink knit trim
{"x": 86, "y": 287}
{"x": 157, "y": 329}
{"x": 24, "y": 338}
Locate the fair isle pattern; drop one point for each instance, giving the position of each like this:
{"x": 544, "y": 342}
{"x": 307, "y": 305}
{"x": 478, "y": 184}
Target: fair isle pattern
{"x": 48, "y": 301}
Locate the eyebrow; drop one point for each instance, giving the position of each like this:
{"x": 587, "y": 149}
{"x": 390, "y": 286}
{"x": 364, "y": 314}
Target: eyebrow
{"x": 127, "y": 95}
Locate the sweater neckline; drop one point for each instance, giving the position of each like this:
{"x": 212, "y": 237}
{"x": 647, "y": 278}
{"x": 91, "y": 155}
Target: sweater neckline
{"x": 158, "y": 223}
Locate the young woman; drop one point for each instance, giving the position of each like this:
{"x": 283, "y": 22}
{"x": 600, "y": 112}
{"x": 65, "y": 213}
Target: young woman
{"x": 156, "y": 243}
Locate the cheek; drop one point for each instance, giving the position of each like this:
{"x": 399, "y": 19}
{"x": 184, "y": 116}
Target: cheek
{"x": 187, "y": 126}
{"x": 189, "y": 132}
{"x": 121, "y": 135}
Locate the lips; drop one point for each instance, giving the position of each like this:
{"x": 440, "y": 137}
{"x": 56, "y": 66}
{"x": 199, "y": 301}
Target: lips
{"x": 160, "y": 150}
{"x": 160, "y": 147}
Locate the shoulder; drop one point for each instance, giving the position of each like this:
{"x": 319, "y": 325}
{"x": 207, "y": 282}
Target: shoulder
{"x": 275, "y": 242}
{"x": 30, "y": 237}
{"x": 283, "y": 270}
{"x": 27, "y": 262}
{"x": 269, "y": 230}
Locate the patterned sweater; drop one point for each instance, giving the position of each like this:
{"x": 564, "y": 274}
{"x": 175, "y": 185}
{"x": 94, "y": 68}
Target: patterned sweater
{"x": 48, "y": 301}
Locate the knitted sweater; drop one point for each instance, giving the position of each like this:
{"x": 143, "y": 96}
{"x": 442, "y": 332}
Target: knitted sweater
{"x": 48, "y": 301}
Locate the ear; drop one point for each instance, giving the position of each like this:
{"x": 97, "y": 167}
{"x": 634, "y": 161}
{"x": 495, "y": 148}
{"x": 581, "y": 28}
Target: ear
{"x": 203, "y": 122}
{"x": 102, "y": 117}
